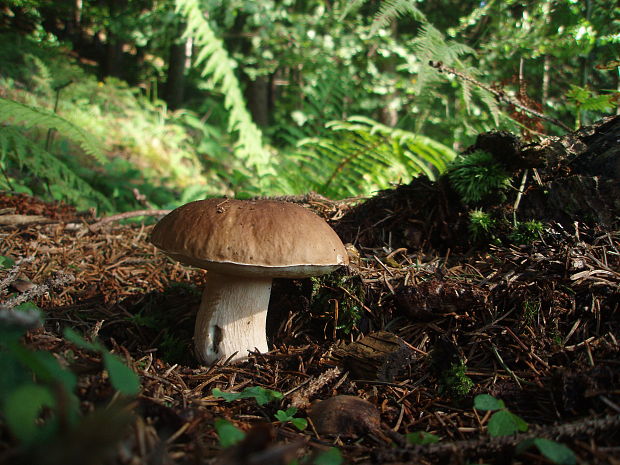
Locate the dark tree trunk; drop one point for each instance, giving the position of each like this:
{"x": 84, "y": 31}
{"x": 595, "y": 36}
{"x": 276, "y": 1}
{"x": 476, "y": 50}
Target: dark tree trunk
{"x": 178, "y": 62}
{"x": 257, "y": 91}
{"x": 257, "y": 96}
{"x": 112, "y": 65}
{"x": 113, "y": 59}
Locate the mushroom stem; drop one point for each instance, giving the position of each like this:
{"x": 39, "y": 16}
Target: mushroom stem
{"x": 232, "y": 317}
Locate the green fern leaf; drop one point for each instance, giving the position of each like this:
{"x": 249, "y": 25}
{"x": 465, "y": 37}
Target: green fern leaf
{"x": 220, "y": 68}
{"x": 33, "y": 158}
{"x": 362, "y": 155}
{"x": 28, "y": 117}
{"x": 394, "y": 9}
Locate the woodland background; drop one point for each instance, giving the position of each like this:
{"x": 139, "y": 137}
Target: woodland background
{"x": 488, "y": 261}
{"x": 125, "y": 104}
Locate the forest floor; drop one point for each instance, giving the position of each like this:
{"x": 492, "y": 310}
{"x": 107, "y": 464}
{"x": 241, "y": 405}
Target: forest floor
{"x": 535, "y": 325}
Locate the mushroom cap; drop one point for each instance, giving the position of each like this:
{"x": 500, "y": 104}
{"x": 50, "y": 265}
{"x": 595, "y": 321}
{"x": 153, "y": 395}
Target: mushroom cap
{"x": 250, "y": 238}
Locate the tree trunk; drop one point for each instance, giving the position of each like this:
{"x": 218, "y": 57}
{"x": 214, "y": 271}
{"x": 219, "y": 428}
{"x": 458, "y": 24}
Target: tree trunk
{"x": 257, "y": 96}
{"x": 178, "y": 62}
{"x": 112, "y": 61}
{"x": 388, "y": 113}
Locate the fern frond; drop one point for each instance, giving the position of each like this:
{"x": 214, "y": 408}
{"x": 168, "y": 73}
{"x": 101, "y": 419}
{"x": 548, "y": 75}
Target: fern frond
{"x": 362, "y": 155}
{"x": 220, "y": 68}
{"x": 28, "y": 117}
{"x": 349, "y": 7}
{"x": 491, "y": 102}
{"x": 394, "y": 9}
{"x": 31, "y": 157}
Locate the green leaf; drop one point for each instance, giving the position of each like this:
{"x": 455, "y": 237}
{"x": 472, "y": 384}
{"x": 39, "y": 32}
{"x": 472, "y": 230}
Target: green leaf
{"x": 45, "y": 366}
{"x": 27, "y": 306}
{"x": 261, "y": 395}
{"x": 421, "y": 438}
{"x": 30, "y": 116}
{"x": 23, "y": 408}
{"x": 6, "y": 262}
{"x": 488, "y": 402}
{"x": 72, "y": 336}
{"x": 289, "y": 415}
{"x": 286, "y": 415}
{"x": 504, "y": 423}
{"x": 331, "y": 456}
{"x": 227, "y": 433}
{"x": 122, "y": 377}
{"x": 556, "y": 452}
{"x": 300, "y": 423}
{"x": 227, "y": 396}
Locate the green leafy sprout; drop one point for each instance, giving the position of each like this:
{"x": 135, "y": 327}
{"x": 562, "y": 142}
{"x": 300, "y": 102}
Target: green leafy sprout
{"x": 288, "y": 415}
{"x": 477, "y": 176}
{"x": 504, "y": 423}
{"x": 122, "y": 377}
{"x": 480, "y": 225}
{"x": 526, "y": 232}
{"x": 227, "y": 433}
{"x": 261, "y": 395}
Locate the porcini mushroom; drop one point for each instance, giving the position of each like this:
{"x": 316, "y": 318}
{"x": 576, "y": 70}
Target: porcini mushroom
{"x": 244, "y": 244}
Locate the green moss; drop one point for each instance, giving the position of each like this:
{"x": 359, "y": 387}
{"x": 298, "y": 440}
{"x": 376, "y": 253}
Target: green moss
{"x": 345, "y": 290}
{"x": 455, "y": 382}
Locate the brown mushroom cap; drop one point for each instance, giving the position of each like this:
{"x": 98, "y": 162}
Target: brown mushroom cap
{"x": 250, "y": 238}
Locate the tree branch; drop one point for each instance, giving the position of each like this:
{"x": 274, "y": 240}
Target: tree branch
{"x": 500, "y": 95}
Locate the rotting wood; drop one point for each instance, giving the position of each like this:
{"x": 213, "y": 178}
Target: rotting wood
{"x": 378, "y": 356}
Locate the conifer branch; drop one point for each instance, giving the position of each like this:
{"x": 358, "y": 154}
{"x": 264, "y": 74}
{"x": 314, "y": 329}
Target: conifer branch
{"x": 499, "y": 95}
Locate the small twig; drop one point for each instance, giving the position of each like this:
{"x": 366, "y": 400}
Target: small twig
{"x": 58, "y": 279}
{"x": 503, "y": 364}
{"x": 519, "y": 195}
{"x": 301, "y": 399}
{"x": 500, "y": 95}
{"x": 125, "y": 215}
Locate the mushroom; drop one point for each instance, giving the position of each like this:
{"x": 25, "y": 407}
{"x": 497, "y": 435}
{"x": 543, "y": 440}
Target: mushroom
{"x": 244, "y": 244}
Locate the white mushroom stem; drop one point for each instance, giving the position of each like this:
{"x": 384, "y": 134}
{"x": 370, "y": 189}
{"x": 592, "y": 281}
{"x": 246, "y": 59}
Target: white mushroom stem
{"x": 232, "y": 317}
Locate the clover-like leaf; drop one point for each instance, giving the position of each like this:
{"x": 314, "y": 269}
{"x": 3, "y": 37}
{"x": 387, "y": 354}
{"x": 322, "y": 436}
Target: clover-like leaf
{"x": 488, "y": 402}
{"x": 504, "y": 423}
{"x": 227, "y": 433}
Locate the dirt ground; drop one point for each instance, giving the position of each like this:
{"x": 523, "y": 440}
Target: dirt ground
{"x": 535, "y": 325}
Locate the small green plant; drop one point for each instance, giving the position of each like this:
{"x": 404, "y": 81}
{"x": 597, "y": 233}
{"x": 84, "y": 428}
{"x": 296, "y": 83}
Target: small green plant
{"x": 37, "y": 393}
{"x": 288, "y": 415}
{"x": 504, "y": 423}
{"x": 227, "y": 433}
{"x": 526, "y": 232}
{"x": 123, "y": 379}
{"x": 421, "y": 438}
{"x": 261, "y": 395}
{"x": 348, "y": 291}
{"x": 481, "y": 225}
{"x": 477, "y": 176}
{"x": 6, "y": 262}
{"x": 331, "y": 456}
{"x": 455, "y": 382}
{"x": 531, "y": 309}
{"x": 22, "y": 399}
{"x": 556, "y": 452}
{"x": 581, "y": 99}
